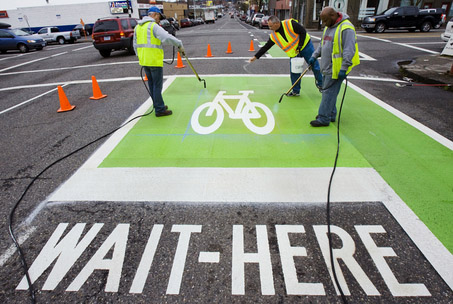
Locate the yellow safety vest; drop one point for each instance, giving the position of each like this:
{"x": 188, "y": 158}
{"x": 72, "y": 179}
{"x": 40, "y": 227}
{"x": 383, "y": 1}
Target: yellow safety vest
{"x": 149, "y": 48}
{"x": 289, "y": 46}
{"x": 337, "y": 51}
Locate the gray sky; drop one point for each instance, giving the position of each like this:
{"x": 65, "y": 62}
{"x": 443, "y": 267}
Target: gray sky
{"x": 13, "y": 4}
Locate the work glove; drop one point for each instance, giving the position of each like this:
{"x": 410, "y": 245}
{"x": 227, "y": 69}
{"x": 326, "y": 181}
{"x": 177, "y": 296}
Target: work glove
{"x": 311, "y": 61}
{"x": 342, "y": 75}
{"x": 181, "y": 50}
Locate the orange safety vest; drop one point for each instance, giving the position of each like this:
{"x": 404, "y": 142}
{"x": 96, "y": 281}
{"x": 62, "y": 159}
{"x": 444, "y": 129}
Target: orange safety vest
{"x": 289, "y": 46}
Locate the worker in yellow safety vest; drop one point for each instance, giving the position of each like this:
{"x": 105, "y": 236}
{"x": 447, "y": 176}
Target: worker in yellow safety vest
{"x": 148, "y": 40}
{"x": 339, "y": 54}
{"x": 294, "y": 40}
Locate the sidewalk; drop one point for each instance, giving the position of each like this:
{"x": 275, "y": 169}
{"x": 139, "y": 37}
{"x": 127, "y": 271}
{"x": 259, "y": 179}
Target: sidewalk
{"x": 430, "y": 69}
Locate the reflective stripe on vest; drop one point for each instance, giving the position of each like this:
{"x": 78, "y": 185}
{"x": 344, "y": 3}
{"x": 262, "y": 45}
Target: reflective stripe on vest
{"x": 337, "y": 51}
{"x": 149, "y": 49}
{"x": 289, "y": 46}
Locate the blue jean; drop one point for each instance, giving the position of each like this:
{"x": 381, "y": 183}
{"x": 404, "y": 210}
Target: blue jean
{"x": 306, "y": 53}
{"x": 155, "y": 80}
{"x": 328, "y": 109}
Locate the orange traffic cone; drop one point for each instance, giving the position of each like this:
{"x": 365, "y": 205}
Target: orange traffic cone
{"x": 209, "y": 54}
{"x": 229, "y": 51}
{"x": 179, "y": 64}
{"x": 252, "y": 49}
{"x": 97, "y": 94}
{"x": 64, "y": 103}
{"x": 145, "y": 78}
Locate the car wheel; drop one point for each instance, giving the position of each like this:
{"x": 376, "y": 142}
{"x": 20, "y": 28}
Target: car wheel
{"x": 61, "y": 40}
{"x": 130, "y": 49}
{"x": 105, "y": 53}
{"x": 380, "y": 27}
{"x": 22, "y": 48}
{"x": 426, "y": 26}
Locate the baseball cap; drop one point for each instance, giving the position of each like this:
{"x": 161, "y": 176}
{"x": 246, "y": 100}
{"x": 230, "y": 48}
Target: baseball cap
{"x": 155, "y": 9}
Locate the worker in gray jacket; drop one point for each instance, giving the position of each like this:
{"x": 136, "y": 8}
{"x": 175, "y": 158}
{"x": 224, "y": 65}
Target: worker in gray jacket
{"x": 148, "y": 40}
{"x": 339, "y": 54}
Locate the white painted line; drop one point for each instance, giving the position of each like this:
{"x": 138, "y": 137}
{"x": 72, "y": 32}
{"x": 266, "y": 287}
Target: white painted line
{"x": 434, "y": 135}
{"x": 401, "y": 44}
{"x": 420, "y": 43}
{"x": 12, "y": 249}
{"x": 416, "y": 48}
{"x": 70, "y": 68}
{"x": 27, "y": 101}
{"x": 29, "y": 62}
{"x": 209, "y": 257}
{"x": 82, "y": 48}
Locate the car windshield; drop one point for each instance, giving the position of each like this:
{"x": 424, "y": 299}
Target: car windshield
{"x": 389, "y": 11}
{"x": 106, "y": 26}
{"x": 19, "y": 32}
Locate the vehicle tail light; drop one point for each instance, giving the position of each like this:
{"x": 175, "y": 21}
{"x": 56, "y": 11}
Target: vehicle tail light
{"x": 122, "y": 34}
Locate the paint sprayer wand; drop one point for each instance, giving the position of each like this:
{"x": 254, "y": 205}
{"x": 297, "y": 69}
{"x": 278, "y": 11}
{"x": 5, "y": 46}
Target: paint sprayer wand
{"x": 298, "y": 79}
{"x": 195, "y": 72}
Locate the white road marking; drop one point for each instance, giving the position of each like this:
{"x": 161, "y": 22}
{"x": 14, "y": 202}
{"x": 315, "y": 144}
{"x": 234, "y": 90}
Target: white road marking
{"x": 29, "y": 62}
{"x": 82, "y": 48}
{"x": 29, "y": 100}
{"x": 401, "y": 44}
{"x": 12, "y": 249}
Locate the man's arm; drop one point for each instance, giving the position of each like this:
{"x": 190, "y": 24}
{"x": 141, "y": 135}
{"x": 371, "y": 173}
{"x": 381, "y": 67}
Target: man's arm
{"x": 348, "y": 41}
{"x": 264, "y": 49}
{"x": 165, "y": 37}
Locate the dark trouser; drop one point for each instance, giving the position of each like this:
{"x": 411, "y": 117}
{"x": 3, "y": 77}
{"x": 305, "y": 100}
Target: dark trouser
{"x": 306, "y": 53}
{"x": 155, "y": 80}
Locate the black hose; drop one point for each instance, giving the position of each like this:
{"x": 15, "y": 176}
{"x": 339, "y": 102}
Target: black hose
{"x": 328, "y": 200}
{"x": 11, "y": 215}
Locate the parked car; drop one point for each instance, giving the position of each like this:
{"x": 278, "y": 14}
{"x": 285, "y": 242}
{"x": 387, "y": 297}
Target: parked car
{"x": 185, "y": 23}
{"x": 243, "y": 17}
{"x": 448, "y": 31}
{"x": 166, "y": 25}
{"x": 256, "y": 18}
{"x": 112, "y": 34}
{"x": 264, "y": 22}
{"x": 407, "y": 17}
{"x": 53, "y": 34}
{"x": 16, "y": 39}
{"x": 83, "y": 30}
{"x": 174, "y": 22}
{"x": 200, "y": 20}
{"x": 27, "y": 30}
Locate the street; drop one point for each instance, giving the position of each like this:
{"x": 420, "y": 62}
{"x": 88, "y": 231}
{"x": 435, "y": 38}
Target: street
{"x": 162, "y": 228}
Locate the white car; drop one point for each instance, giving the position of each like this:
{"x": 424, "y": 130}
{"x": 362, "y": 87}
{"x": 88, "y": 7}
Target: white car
{"x": 448, "y": 31}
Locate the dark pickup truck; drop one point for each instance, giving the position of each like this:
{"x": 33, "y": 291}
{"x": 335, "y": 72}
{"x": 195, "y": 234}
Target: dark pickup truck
{"x": 407, "y": 17}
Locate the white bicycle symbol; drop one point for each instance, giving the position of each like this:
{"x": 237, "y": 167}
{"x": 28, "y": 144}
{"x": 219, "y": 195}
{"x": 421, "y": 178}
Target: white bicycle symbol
{"x": 245, "y": 110}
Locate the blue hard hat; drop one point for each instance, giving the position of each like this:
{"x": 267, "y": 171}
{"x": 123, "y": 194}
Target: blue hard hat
{"x": 154, "y": 9}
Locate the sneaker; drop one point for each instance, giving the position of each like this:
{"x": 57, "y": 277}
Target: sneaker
{"x": 331, "y": 119}
{"x": 317, "y": 123}
{"x": 293, "y": 94}
{"x": 164, "y": 113}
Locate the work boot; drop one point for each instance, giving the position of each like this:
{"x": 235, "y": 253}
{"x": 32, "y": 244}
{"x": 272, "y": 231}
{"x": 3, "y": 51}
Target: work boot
{"x": 164, "y": 113}
{"x": 293, "y": 94}
{"x": 317, "y": 123}
{"x": 332, "y": 119}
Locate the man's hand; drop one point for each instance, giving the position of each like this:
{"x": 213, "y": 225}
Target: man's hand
{"x": 252, "y": 59}
{"x": 181, "y": 50}
{"x": 342, "y": 75}
{"x": 311, "y": 61}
